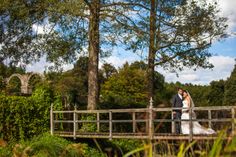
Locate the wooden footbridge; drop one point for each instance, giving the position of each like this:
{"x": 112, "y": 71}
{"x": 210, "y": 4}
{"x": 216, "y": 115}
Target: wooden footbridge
{"x": 143, "y": 123}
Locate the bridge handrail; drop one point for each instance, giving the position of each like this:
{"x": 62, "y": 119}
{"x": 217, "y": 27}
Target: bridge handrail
{"x": 147, "y": 109}
{"x": 149, "y": 118}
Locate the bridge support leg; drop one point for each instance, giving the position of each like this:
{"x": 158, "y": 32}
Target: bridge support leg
{"x": 153, "y": 148}
{"x": 51, "y": 120}
{"x": 75, "y": 118}
{"x": 110, "y": 125}
{"x": 172, "y": 123}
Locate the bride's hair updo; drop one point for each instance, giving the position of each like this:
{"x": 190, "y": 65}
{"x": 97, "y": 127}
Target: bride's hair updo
{"x": 185, "y": 91}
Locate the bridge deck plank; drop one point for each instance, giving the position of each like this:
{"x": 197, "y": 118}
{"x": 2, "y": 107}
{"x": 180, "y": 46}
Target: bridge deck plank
{"x": 157, "y": 136}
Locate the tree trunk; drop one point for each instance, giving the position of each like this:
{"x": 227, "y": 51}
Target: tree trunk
{"x": 152, "y": 50}
{"x": 94, "y": 48}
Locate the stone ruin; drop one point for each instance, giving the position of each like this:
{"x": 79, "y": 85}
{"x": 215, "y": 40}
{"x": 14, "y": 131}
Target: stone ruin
{"x": 24, "y": 79}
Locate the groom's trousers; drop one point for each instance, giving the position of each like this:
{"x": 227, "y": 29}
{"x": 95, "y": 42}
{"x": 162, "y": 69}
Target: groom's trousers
{"x": 177, "y": 116}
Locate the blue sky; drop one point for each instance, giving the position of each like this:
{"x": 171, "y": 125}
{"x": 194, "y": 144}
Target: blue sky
{"x": 225, "y": 48}
{"x": 224, "y": 55}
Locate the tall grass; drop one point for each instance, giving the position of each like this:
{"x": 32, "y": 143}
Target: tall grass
{"x": 220, "y": 147}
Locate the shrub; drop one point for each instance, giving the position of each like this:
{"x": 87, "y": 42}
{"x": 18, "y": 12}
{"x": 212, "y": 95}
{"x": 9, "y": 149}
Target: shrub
{"x": 25, "y": 117}
{"x": 46, "y": 145}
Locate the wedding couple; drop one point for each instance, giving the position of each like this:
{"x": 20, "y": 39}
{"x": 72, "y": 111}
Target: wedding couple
{"x": 184, "y": 101}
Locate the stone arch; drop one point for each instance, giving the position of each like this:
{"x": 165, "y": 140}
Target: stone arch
{"x": 30, "y": 81}
{"x": 24, "y": 79}
{"x": 19, "y": 76}
{"x": 32, "y": 74}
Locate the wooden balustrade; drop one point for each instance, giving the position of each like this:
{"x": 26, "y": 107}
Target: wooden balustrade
{"x": 149, "y": 121}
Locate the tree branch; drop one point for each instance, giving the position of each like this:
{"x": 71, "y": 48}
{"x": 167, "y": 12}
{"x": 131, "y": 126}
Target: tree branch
{"x": 124, "y": 4}
{"x": 177, "y": 54}
{"x": 87, "y": 2}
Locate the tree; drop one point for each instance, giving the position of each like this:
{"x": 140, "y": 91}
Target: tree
{"x": 72, "y": 85}
{"x": 127, "y": 87}
{"x": 180, "y": 33}
{"x": 73, "y": 25}
{"x": 216, "y": 93}
{"x": 106, "y": 72}
{"x": 230, "y": 89}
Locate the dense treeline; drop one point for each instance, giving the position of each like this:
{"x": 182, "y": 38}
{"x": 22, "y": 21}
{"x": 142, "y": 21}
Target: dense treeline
{"x": 126, "y": 87}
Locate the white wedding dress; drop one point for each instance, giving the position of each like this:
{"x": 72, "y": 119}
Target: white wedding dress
{"x": 197, "y": 128}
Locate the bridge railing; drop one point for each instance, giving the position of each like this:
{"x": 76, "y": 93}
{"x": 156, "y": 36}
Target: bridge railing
{"x": 142, "y": 123}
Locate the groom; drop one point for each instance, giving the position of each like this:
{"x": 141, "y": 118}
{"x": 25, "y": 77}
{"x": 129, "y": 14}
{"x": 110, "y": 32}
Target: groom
{"x": 177, "y": 102}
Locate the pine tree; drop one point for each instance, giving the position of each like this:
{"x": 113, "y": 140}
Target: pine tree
{"x": 179, "y": 32}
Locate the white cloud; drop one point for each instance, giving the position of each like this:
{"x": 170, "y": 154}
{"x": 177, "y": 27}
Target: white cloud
{"x": 223, "y": 67}
{"x": 42, "y": 28}
{"x": 118, "y": 61}
{"x": 43, "y": 65}
{"x": 228, "y": 10}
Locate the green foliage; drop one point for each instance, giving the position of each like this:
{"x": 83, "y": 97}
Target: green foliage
{"x": 216, "y": 93}
{"x": 127, "y": 145}
{"x": 25, "y": 117}
{"x": 216, "y": 149}
{"x": 88, "y": 126}
{"x": 8, "y": 70}
{"x": 199, "y": 93}
{"x": 72, "y": 85}
{"x": 106, "y": 72}
{"x": 230, "y": 89}
{"x": 91, "y": 152}
{"x": 183, "y": 149}
{"x": 13, "y": 87}
{"x": 5, "y": 152}
{"x": 126, "y": 88}
{"x": 137, "y": 150}
{"x": 46, "y": 145}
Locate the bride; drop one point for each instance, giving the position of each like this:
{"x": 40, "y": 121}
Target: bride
{"x": 197, "y": 128}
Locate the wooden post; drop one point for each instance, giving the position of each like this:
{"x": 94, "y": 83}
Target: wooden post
{"x": 233, "y": 120}
{"x": 51, "y": 120}
{"x": 209, "y": 119}
{"x": 98, "y": 122}
{"x": 110, "y": 125}
{"x": 75, "y": 118}
{"x": 134, "y": 121}
{"x": 191, "y": 124}
{"x": 150, "y": 126}
{"x": 151, "y": 119}
{"x": 172, "y": 123}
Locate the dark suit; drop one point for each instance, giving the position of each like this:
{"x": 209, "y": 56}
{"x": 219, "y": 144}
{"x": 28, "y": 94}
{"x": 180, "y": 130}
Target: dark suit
{"x": 177, "y": 102}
